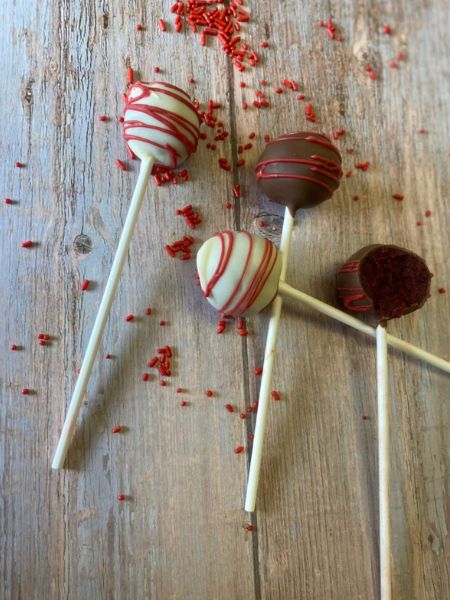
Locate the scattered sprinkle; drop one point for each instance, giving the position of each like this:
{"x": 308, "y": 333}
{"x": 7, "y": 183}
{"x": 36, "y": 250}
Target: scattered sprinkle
{"x": 441, "y": 290}
{"x": 239, "y": 449}
{"x": 27, "y": 244}
{"x": 398, "y": 196}
{"x": 129, "y": 318}
{"x": 85, "y": 285}
{"x": 276, "y": 395}
{"x": 121, "y": 497}
{"x": 116, "y": 429}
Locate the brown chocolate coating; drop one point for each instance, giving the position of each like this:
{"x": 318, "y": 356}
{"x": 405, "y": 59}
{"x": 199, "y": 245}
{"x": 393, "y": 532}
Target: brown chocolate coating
{"x": 299, "y": 170}
{"x": 386, "y": 279}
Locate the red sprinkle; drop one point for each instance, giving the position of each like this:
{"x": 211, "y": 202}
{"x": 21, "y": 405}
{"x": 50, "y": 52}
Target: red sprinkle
{"x": 103, "y": 118}
{"x": 19, "y": 165}
{"x": 108, "y": 356}
{"x": 85, "y": 285}
{"x": 162, "y": 25}
{"x": 148, "y": 311}
{"x": 116, "y": 429}
{"x": 251, "y": 436}
{"x": 121, "y": 497}
{"x": 25, "y": 391}
{"x": 393, "y": 64}
{"x": 249, "y": 527}
{"x": 129, "y": 318}
{"x": 428, "y": 213}
{"x": 275, "y": 395}
{"x": 355, "y": 198}
{"x": 122, "y": 166}
{"x": 139, "y": 27}
{"x": 163, "y": 383}
{"x": 387, "y": 29}
{"x": 130, "y": 75}
{"x": 400, "y": 56}
{"x": 362, "y": 166}
{"x": 242, "y": 416}
{"x": 398, "y": 196}
{"x": 183, "y": 403}
{"x": 422, "y": 130}
{"x": 264, "y": 44}
{"x": 145, "y": 377}
{"x": 258, "y": 371}
{"x": 8, "y": 201}
{"x": 42, "y": 343}
{"x": 179, "y": 390}
{"x": 27, "y": 244}
{"x": 229, "y": 408}
{"x": 239, "y": 449}
{"x": 441, "y": 290}
{"x": 209, "y": 393}
{"x": 162, "y": 323}
{"x": 13, "y": 347}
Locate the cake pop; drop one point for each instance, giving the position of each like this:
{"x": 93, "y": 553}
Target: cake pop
{"x": 298, "y": 170}
{"x": 161, "y": 127}
{"x": 391, "y": 282}
{"x": 239, "y": 272}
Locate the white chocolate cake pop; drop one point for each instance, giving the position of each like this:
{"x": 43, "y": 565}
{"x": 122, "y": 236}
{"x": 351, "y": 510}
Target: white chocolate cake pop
{"x": 239, "y": 272}
{"x": 160, "y": 121}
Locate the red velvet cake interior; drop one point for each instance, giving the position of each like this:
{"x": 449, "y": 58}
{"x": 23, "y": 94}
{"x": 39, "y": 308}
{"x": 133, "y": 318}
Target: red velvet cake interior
{"x": 397, "y": 281}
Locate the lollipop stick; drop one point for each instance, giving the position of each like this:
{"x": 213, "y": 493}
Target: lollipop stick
{"x": 288, "y": 291}
{"x": 266, "y": 380}
{"x": 102, "y": 316}
{"x": 384, "y": 463}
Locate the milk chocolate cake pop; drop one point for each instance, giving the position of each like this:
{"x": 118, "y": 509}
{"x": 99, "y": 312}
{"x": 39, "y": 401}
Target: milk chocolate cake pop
{"x": 299, "y": 170}
{"x": 239, "y": 272}
{"x": 389, "y": 280}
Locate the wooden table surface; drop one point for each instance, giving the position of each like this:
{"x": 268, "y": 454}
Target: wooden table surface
{"x": 179, "y": 534}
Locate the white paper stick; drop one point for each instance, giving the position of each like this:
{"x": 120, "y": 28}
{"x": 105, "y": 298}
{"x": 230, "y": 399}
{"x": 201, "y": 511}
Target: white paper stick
{"x": 384, "y": 463}
{"x": 266, "y": 379}
{"x": 288, "y": 291}
{"x": 102, "y": 315}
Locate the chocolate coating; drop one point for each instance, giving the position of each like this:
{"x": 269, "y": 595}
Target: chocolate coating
{"x": 389, "y": 280}
{"x": 299, "y": 170}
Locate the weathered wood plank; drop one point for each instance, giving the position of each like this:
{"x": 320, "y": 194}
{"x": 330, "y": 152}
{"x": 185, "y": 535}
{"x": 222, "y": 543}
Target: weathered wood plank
{"x": 179, "y": 534}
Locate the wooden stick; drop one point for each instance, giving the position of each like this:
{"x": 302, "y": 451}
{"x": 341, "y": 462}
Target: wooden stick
{"x": 102, "y": 315}
{"x": 288, "y": 291}
{"x": 266, "y": 379}
{"x": 384, "y": 464}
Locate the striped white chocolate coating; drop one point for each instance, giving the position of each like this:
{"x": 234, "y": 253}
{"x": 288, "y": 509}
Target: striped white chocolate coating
{"x": 239, "y": 272}
{"x": 160, "y": 121}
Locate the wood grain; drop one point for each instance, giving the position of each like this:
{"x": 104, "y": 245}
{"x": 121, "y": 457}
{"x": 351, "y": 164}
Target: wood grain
{"x": 179, "y": 535}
